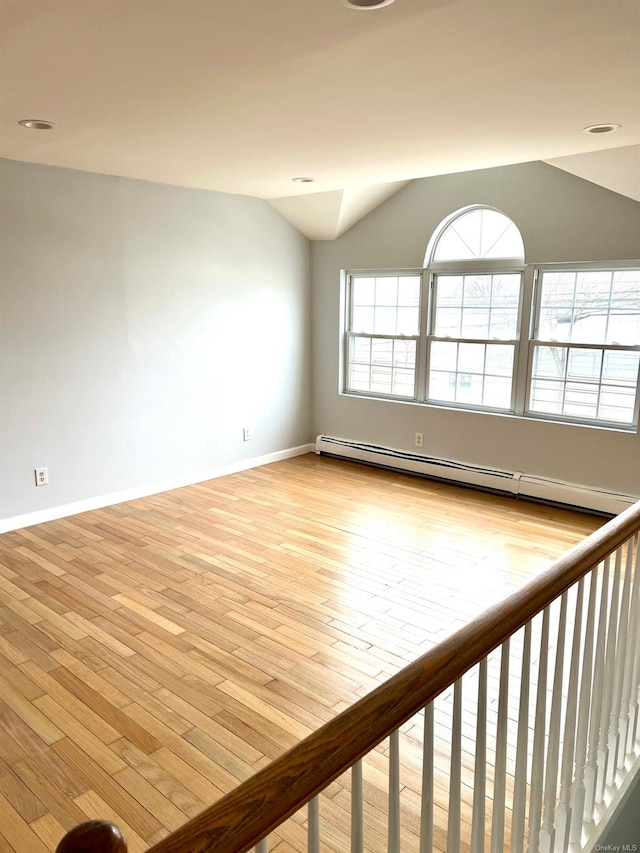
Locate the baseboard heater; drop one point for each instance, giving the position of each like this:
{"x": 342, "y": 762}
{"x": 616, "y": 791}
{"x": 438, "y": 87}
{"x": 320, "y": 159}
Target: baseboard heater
{"x": 489, "y": 479}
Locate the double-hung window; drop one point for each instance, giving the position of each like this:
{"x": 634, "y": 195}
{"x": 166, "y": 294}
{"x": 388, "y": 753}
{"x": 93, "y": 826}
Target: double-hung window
{"x": 585, "y": 348}
{"x": 383, "y": 333}
{"x": 477, "y": 329}
{"x": 474, "y": 339}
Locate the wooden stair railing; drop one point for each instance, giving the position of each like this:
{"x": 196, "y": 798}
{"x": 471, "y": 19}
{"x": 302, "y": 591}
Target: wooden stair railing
{"x": 245, "y": 816}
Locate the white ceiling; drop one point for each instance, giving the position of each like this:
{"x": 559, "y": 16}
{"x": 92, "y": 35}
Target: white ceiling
{"x": 243, "y": 95}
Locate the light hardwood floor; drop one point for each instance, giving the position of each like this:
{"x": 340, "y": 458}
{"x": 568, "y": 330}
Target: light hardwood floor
{"x": 156, "y": 653}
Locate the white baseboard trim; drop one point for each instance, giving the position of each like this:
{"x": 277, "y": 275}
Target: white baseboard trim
{"x": 510, "y": 482}
{"x": 52, "y": 513}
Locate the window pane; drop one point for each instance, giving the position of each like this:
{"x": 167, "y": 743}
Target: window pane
{"x": 382, "y": 366}
{"x": 506, "y": 291}
{"x": 442, "y": 386}
{"x": 581, "y": 399}
{"x": 504, "y": 323}
{"x": 362, "y": 319}
{"x": 448, "y": 321}
{"x": 471, "y": 357}
{"x": 444, "y": 356}
{"x": 385, "y": 321}
{"x": 361, "y": 349}
{"x": 469, "y": 389}
{"x": 359, "y": 378}
{"x": 588, "y": 384}
{"x": 449, "y": 291}
{"x": 385, "y": 305}
{"x": 497, "y": 392}
{"x": 363, "y": 290}
{"x": 547, "y": 396}
{"x": 387, "y": 291}
{"x": 584, "y": 364}
{"x": 477, "y": 290}
{"x": 621, "y": 368}
{"x": 617, "y": 404}
{"x": 624, "y": 318}
{"x": 490, "y": 306}
{"x": 472, "y": 374}
{"x": 407, "y": 321}
{"x": 499, "y": 360}
{"x": 475, "y": 323}
{"x": 592, "y": 307}
{"x": 550, "y": 361}
{"x": 409, "y": 290}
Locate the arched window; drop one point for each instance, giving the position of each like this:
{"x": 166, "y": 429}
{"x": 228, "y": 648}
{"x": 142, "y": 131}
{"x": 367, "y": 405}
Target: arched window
{"x": 475, "y": 233}
{"x": 476, "y": 257}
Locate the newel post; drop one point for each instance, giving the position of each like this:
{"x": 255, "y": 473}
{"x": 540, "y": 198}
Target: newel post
{"x": 95, "y": 836}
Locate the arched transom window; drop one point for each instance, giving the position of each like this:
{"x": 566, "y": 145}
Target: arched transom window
{"x": 479, "y": 233}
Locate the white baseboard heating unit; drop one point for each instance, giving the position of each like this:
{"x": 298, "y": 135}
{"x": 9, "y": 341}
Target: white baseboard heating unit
{"x": 492, "y": 479}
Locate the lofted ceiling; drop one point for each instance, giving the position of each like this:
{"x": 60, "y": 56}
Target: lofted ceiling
{"x": 242, "y": 96}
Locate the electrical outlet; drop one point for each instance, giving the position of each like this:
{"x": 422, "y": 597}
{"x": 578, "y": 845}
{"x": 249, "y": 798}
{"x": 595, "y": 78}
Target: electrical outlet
{"x": 246, "y": 433}
{"x": 419, "y": 439}
{"x": 42, "y": 476}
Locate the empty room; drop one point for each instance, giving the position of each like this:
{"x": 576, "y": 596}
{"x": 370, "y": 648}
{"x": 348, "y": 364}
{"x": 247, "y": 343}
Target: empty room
{"x": 319, "y": 453}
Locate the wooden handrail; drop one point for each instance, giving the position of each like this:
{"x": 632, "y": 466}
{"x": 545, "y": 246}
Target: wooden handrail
{"x": 247, "y": 814}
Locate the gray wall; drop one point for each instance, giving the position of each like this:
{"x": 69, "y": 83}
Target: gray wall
{"x": 141, "y": 327}
{"x": 561, "y": 218}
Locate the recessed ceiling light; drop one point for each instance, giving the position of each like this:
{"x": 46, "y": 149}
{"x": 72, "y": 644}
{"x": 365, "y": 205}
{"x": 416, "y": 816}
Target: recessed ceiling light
{"x": 601, "y": 128}
{"x": 365, "y": 5}
{"x": 37, "y": 123}
{"x": 302, "y": 180}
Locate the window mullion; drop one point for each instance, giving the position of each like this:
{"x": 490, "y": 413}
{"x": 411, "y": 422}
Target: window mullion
{"x": 528, "y": 319}
{"x": 422, "y": 371}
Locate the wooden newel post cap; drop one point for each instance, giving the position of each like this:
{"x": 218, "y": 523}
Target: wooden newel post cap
{"x": 94, "y": 836}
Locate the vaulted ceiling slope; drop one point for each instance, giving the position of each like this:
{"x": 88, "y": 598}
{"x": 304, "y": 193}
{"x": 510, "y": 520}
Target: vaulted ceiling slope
{"x": 242, "y": 96}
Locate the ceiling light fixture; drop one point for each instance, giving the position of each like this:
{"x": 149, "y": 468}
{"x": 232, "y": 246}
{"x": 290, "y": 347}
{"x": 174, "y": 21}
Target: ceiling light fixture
{"x": 601, "y": 128}
{"x": 37, "y": 123}
{"x": 302, "y": 180}
{"x": 366, "y": 5}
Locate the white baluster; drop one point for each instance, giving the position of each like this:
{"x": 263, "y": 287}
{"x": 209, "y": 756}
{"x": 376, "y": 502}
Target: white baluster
{"x": 635, "y": 710}
{"x": 548, "y": 833}
{"x": 393, "y": 840}
{"x": 453, "y": 825}
{"x": 635, "y": 666}
{"x": 591, "y": 770}
{"x": 262, "y": 846}
{"x": 426, "y": 804}
{"x": 357, "y": 831}
{"x": 620, "y": 654}
{"x": 313, "y": 829}
{"x": 500, "y": 778}
{"x": 520, "y": 780}
{"x": 609, "y": 672}
{"x": 563, "y": 810}
{"x": 480, "y": 766}
{"x": 584, "y": 709}
{"x": 629, "y": 657}
{"x": 537, "y": 764}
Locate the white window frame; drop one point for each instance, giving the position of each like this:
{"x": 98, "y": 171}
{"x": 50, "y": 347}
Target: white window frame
{"x": 536, "y": 341}
{"x": 466, "y": 268}
{"x": 350, "y": 335}
{"x": 524, "y": 346}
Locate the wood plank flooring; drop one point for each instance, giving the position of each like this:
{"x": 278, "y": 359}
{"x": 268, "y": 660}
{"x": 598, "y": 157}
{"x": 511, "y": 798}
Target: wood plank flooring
{"x": 156, "y": 653}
